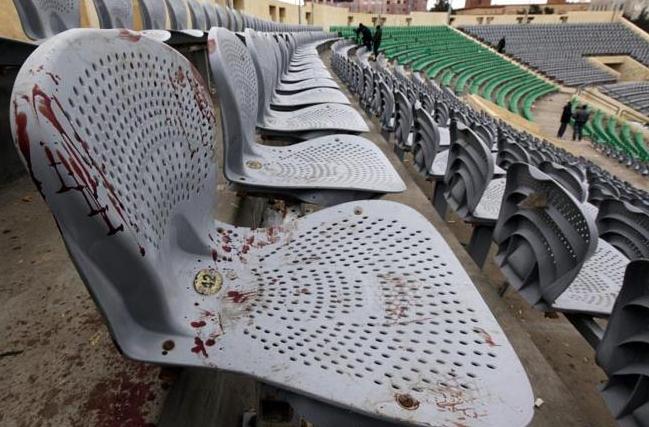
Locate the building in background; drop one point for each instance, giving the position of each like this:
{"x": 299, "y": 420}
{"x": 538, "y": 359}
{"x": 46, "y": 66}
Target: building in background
{"x": 631, "y": 8}
{"x": 484, "y": 7}
{"x": 396, "y": 7}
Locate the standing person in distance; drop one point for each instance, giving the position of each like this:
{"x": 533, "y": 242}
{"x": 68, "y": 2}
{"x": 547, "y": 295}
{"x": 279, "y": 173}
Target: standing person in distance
{"x": 378, "y": 34}
{"x": 581, "y": 117}
{"x": 566, "y": 115}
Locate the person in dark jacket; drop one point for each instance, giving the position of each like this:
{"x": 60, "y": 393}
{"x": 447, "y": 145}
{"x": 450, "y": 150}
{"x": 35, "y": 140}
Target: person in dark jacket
{"x": 501, "y": 45}
{"x": 581, "y": 117}
{"x": 566, "y": 115}
{"x": 366, "y": 35}
{"x": 378, "y": 33}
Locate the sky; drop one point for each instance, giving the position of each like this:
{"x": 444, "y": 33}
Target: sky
{"x": 460, "y": 3}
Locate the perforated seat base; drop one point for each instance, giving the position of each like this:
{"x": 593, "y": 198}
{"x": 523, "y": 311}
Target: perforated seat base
{"x": 310, "y": 97}
{"x": 488, "y": 207}
{"x": 291, "y": 87}
{"x": 328, "y": 307}
{"x": 343, "y": 162}
{"x": 335, "y": 117}
{"x": 306, "y": 75}
{"x": 595, "y": 288}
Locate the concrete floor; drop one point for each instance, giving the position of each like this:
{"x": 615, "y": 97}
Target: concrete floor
{"x": 60, "y": 367}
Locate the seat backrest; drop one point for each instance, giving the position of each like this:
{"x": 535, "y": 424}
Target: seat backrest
{"x": 571, "y": 181}
{"x": 622, "y": 353}
{"x": 222, "y": 15}
{"x": 624, "y": 226}
{"x": 543, "y": 234}
{"x": 115, "y": 13}
{"x": 426, "y": 141}
{"x": 197, "y": 15}
{"x": 154, "y": 14}
{"x": 232, "y": 22}
{"x": 264, "y": 57}
{"x": 236, "y": 82}
{"x": 442, "y": 114}
{"x": 117, "y": 132}
{"x": 402, "y": 117}
{"x": 509, "y": 152}
{"x": 177, "y": 14}
{"x": 469, "y": 170}
{"x": 211, "y": 16}
{"x": 600, "y": 187}
{"x": 41, "y": 19}
{"x": 387, "y": 104}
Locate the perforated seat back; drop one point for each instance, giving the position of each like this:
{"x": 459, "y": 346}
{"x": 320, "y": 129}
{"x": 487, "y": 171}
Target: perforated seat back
{"x": 235, "y": 78}
{"x": 469, "y": 170}
{"x": 624, "y": 226}
{"x": 570, "y": 180}
{"x": 264, "y": 57}
{"x": 154, "y": 14}
{"x": 511, "y": 152}
{"x": 622, "y": 353}
{"x": 177, "y": 14}
{"x": 426, "y": 140}
{"x": 41, "y": 19}
{"x": 387, "y": 104}
{"x": 117, "y": 132}
{"x": 442, "y": 114}
{"x": 197, "y": 15}
{"x": 403, "y": 118}
{"x": 115, "y": 13}
{"x": 544, "y": 235}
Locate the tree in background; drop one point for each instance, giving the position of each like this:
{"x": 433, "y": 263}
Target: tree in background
{"x": 642, "y": 21}
{"x": 440, "y": 6}
{"x": 535, "y": 9}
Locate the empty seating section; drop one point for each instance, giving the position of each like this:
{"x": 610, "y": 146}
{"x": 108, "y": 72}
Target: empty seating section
{"x": 633, "y": 94}
{"x": 560, "y": 51}
{"x": 616, "y": 138}
{"x": 463, "y": 65}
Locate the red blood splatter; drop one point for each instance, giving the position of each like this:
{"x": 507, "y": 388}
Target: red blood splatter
{"x": 250, "y": 240}
{"x": 20, "y": 119}
{"x": 198, "y": 324}
{"x": 226, "y": 248}
{"x": 487, "y": 337}
{"x": 56, "y": 79}
{"x": 142, "y": 251}
{"x": 199, "y": 347}
{"x": 214, "y": 254}
{"x": 120, "y": 400}
{"x": 245, "y": 249}
{"x": 211, "y": 45}
{"x": 129, "y": 35}
{"x": 210, "y": 342}
{"x": 240, "y": 297}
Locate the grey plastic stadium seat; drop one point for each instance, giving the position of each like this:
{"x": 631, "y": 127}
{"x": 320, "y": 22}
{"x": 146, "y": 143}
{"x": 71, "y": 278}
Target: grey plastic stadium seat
{"x": 222, "y": 15}
{"x": 41, "y": 19}
{"x": 622, "y": 353}
{"x": 575, "y": 183}
{"x": 267, "y": 72}
{"x": 402, "y": 121}
{"x": 343, "y": 164}
{"x": 511, "y": 152}
{"x": 211, "y": 16}
{"x": 197, "y": 15}
{"x": 177, "y": 287}
{"x": 548, "y": 247}
{"x": 115, "y": 13}
{"x": 154, "y": 14}
{"x": 427, "y": 147}
{"x": 624, "y": 226}
{"x": 387, "y": 107}
{"x": 178, "y": 15}
{"x": 471, "y": 190}
{"x": 302, "y": 123}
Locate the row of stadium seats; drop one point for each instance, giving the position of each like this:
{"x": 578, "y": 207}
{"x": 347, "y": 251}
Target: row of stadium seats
{"x": 633, "y": 94}
{"x": 568, "y": 240}
{"x": 560, "y": 50}
{"x": 119, "y": 134}
{"x": 40, "y": 20}
{"x": 615, "y": 138}
{"x": 456, "y": 61}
